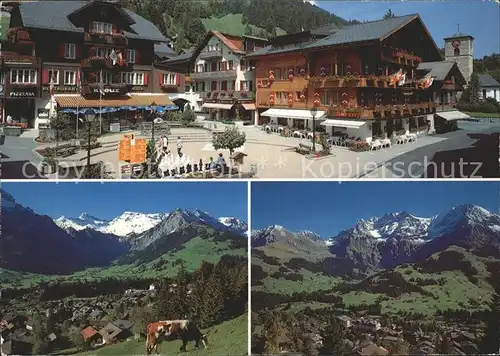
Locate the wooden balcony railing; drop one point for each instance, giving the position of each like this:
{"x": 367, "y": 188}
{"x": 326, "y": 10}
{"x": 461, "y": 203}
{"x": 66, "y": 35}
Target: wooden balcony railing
{"x": 117, "y": 39}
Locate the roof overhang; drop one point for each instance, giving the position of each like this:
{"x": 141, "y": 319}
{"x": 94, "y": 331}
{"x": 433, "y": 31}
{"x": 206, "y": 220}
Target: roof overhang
{"x": 353, "y": 124}
{"x": 452, "y": 115}
{"x": 292, "y": 114}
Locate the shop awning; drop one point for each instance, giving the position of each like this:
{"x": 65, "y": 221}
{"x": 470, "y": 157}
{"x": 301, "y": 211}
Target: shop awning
{"x": 452, "y": 115}
{"x": 147, "y": 100}
{"x": 217, "y": 106}
{"x": 343, "y": 123}
{"x": 75, "y": 101}
{"x": 292, "y": 114}
{"x": 249, "y": 106}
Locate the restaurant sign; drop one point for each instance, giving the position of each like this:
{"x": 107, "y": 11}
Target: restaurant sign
{"x": 108, "y": 91}
{"x": 22, "y": 92}
{"x": 137, "y": 88}
{"x": 349, "y": 114}
{"x": 61, "y": 88}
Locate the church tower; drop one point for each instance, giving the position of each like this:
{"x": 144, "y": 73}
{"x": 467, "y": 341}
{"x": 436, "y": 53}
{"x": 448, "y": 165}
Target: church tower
{"x": 459, "y": 48}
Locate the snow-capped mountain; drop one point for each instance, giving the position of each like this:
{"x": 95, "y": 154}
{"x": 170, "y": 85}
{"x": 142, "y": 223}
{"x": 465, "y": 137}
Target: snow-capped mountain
{"x": 277, "y": 233}
{"x": 134, "y": 223}
{"x": 123, "y": 225}
{"x": 463, "y": 215}
{"x": 82, "y": 222}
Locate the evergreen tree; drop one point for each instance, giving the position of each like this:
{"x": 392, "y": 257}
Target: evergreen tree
{"x": 389, "y": 15}
{"x": 490, "y": 343}
{"x": 248, "y": 30}
{"x": 333, "y": 337}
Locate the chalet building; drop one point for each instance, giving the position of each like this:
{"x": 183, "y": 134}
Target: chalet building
{"x": 82, "y": 54}
{"x": 371, "y": 79}
{"x": 220, "y": 77}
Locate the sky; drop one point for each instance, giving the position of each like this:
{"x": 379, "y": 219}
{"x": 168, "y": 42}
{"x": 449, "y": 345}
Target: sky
{"x": 327, "y": 208}
{"x": 480, "y": 19}
{"x": 108, "y": 200}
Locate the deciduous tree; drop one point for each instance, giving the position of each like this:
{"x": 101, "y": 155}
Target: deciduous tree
{"x": 230, "y": 139}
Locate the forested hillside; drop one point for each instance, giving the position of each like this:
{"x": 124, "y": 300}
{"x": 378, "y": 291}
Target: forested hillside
{"x": 181, "y": 20}
{"x": 490, "y": 65}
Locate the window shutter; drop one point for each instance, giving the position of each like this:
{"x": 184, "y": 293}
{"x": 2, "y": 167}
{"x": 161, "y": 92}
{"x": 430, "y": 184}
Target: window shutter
{"x": 137, "y": 57}
{"x": 45, "y": 76}
{"x": 61, "y": 50}
{"x": 146, "y": 75}
{"x": 160, "y": 78}
{"x": 177, "y": 79}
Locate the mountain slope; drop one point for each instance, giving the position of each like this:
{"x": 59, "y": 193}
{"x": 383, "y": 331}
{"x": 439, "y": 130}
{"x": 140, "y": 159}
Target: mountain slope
{"x": 34, "y": 243}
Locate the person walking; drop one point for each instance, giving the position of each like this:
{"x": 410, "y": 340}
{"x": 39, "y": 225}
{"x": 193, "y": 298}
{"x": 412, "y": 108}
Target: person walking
{"x": 179, "y": 146}
{"x": 164, "y": 142}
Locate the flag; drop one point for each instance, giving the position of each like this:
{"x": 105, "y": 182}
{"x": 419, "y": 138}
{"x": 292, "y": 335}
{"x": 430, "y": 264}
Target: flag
{"x": 119, "y": 55}
{"x": 113, "y": 57}
{"x": 402, "y": 81}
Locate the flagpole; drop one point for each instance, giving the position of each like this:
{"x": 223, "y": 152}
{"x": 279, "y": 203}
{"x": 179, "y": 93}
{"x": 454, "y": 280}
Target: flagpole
{"x": 79, "y": 86}
{"x": 101, "y": 86}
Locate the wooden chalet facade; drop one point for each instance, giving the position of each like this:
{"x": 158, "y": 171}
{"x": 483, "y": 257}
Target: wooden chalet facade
{"x": 353, "y": 76}
{"x": 70, "y": 54}
{"x": 219, "y": 77}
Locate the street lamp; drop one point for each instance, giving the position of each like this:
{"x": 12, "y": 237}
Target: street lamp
{"x": 153, "y": 107}
{"x": 89, "y": 117}
{"x": 314, "y": 111}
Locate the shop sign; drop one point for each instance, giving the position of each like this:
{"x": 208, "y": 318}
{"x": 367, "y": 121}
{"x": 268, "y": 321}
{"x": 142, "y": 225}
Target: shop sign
{"x": 61, "y": 88}
{"x": 21, "y": 93}
{"x": 137, "y": 88}
{"x": 109, "y": 91}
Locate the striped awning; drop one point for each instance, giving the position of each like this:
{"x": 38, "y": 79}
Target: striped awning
{"x": 75, "y": 101}
{"x": 147, "y": 100}
{"x": 250, "y": 106}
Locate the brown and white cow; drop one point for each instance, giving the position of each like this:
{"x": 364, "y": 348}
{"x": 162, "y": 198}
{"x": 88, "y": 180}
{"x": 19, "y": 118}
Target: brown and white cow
{"x": 169, "y": 330}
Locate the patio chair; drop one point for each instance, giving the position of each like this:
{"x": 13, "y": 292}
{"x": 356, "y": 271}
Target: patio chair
{"x": 386, "y": 142}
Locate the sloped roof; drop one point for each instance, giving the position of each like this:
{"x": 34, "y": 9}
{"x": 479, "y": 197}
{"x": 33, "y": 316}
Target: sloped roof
{"x": 53, "y": 15}
{"x": 88, "y": 332}
{"x": 230, "y": 44}
{"x": 181, "y": 57}
{"x": 437, "y": 70}
{"x": 368, "y": 31}
{"x": 325, "y": 29}
{"x": 486, "y": 80}
{"x": 163, "y": 50}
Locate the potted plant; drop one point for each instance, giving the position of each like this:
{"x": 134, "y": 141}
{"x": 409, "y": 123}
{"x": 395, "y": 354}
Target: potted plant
{"x": 49, "y": 165}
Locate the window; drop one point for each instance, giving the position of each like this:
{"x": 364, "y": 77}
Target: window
{"x": 230, "y": 65}
{"x": 224, "y": 66}
{"x": 107, "y": 78}
{"x": 325, "y": 98}
{"x": 102, "y": 27}
{"x": 169, "y": 79}
{"x": 277, "y": 73}
{"x": 278, "y": 98}
{"x": 233, "y": 85}
{"x": 484, "y": 94}
{"x": 70, "y": 78}
{"x": 133, "y": 78}
{"x": 223, "y": 85}
{"x": 201, "y": 68}
{"x": 103, "y": 52}
{"x": 23, "y": 76}
{"x": 130, "y": 55}
{"x": 2, "y": 78}
{"x": 243, "y": 64}
{"x": 244, "y": 85}
{"x": 297, "y": 96}
{"x": 335, "y": 97}
{"x": 70, "y": 50}
{"x": 53, "y": 76}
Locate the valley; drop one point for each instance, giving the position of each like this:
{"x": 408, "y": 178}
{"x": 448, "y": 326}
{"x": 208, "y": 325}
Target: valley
{"x": 90, "y": 285}
{"x": 399, "y": 280}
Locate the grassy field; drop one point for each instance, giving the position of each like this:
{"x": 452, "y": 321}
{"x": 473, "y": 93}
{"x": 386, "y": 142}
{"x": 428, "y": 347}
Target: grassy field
{"x": 228, "y": 338}
{"x": 231, "y": 24}
{"x": 483, "y": 114}
{"x": 194, "y": 252}
{"x": 312, "y": 282}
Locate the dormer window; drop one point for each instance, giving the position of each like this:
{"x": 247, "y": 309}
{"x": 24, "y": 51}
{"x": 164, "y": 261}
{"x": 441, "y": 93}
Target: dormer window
{"x": 102, "y": 27}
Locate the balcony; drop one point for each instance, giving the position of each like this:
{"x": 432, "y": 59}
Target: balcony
{"x": 219, "y": 74}
{"x": 9, "y": 58}
{"x": 211, "y": 54}
{"x": 227, "y": 95}
{"x": 19, "y": 35}
{"x": 104, "y": 63}
{"x": 116, "y": 39}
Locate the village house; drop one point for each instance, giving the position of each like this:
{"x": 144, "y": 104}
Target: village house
{"x": 91, "y": 335}
{"x": 82, "y": 54}
{"x": 370, "y": 79}
{"x": 371, "y": 349}
{"x": 220, "y": 77}
{"x": 345, "y": 320}
{"x": 367, "y": 325}
{"x": 111, "y": 333}
{"x": 488, "y": 87}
